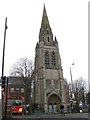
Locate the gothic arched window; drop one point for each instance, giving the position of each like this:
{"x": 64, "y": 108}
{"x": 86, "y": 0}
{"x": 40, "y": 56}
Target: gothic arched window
{"x": 47, "y": 31}
{"x": 46, "y": 58}
{"x": 53, "y": 59}
{"x": 42, "y": 31}
{"x": 48, "y": 38}
{"x": 43, "y": 37}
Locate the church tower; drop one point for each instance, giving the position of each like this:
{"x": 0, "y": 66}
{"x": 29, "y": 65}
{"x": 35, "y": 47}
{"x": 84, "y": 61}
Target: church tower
{"x": 49, "y": 91}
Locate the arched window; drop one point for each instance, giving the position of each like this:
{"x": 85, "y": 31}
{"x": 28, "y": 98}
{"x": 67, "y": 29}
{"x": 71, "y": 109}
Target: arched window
{"x": 46, "y": 58}
{"x": 43, "y": 37}
{"x": 42, "y": 31}
{"x": 47, "y": 31}
{"x": 53, "y": 59}
{"x": 48, "y": 38}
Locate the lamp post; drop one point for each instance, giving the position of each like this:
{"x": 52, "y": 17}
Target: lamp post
{"x": 72, "y": 91}
{"x": 3, "y": 62}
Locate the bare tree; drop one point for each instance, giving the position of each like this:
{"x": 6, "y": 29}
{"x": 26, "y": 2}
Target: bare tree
{"x": 23, "y": 68}
{"x": 80, "y": 91}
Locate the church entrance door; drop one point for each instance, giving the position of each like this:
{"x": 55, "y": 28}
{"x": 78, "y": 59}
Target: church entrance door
{"x": 50, "y": 108}
{"x": 55, "y": 107}
{"x": 54, "y": 103}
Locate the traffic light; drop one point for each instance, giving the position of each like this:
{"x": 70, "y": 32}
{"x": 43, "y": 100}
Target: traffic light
{"x": 21, "y": 97}
{"x": 3, "y": 83}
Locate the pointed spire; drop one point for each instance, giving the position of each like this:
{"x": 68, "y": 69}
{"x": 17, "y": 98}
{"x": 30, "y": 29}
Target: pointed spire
{"x": 55, "y": 38}
{"x": 37, "y": 45}
{"x": 45, "y": 27}
{"x": 56, "y": 42}
{"x": 45, "y": 22}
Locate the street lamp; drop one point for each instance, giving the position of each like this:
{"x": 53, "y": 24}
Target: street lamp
{"x": 72, "y": 92}
{"x": 3, "y": 63}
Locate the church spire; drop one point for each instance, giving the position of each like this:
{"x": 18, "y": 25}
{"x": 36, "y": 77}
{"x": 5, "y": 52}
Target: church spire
{"x": 45, "y": 21}
{"x": 45, "y": 30}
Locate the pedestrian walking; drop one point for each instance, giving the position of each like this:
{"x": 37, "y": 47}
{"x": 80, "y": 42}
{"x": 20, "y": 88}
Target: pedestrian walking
{"x": 62, "y": 109}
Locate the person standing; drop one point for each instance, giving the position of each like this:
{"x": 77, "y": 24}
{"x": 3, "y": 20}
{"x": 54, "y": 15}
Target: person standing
{"x": 62, "y": 109}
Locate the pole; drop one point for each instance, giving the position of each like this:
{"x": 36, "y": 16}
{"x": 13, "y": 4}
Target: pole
{"x": 3, "y": 59}
{"x": 6, "y": 99}
{"x": 72, "y": 92}
{"x": 4, "y": 47}
{"x": 71, "y": 83}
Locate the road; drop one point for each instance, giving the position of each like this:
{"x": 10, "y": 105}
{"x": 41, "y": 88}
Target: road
{"x": 74, "y": 115}
{"x": 78, "y": 116}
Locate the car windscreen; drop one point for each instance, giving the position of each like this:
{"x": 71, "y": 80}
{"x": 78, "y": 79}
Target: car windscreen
{"x": 17, "y": 103}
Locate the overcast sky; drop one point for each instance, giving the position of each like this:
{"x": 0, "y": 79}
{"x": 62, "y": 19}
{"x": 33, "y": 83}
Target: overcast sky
{"x": 68, "y": 20}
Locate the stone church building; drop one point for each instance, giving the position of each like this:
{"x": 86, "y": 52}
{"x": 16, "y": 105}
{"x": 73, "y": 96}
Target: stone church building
{"x": 49, "y": 91}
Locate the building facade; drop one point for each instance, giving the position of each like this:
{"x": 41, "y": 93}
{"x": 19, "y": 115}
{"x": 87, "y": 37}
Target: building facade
{"x": 67, "y": 91}
{"x": 67, "y": 94}
{"x": 17, "y": 89}
{"x": 49, "y": 89}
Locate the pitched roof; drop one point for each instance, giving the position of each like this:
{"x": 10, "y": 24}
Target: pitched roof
{"x": 16, "y": 80}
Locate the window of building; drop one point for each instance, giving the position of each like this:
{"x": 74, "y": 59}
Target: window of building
{"x": 12, "y": 90}
{"x": 22, "y": 90}
{"x": 43, "y": 37}
{"x": 42, "y": 31}
{"x": 53, "y": 59}
{"x": 48, "y": 39}
{"x": 46, "y": 58}
{"x": 47, "y": 31}
{"x": 17, "y": 90}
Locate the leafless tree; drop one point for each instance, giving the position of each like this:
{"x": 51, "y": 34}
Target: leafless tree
{"x": 80, "y": 90}
{"x": 23, "y": 68}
